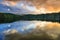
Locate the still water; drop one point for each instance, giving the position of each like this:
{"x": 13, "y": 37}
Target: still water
{"x": 24, "y": 27}
{"x": 19, "y": 26}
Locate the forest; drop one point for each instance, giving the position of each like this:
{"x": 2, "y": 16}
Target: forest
{"x": 9, "y": 17}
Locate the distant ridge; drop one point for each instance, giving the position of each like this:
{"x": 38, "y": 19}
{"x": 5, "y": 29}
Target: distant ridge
{"x": 9, "y": 17}
{"x": 53, "y": 17}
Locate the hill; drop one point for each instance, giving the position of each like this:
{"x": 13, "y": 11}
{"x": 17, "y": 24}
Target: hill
{"x": 9, "y": 17}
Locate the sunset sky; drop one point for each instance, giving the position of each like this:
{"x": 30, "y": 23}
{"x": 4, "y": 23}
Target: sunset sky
{"x": 30, "y": 7}
{"x": 36, "y": 6}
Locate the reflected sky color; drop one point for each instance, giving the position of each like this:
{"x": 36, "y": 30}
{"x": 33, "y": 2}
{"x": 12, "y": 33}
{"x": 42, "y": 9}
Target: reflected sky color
{"x": 21, "y": 26}
{"x": 24, "y": 27}
{"x": 22, "y": 7}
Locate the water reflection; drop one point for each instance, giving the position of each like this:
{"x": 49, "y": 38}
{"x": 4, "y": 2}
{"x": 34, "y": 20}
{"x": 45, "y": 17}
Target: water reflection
{"x": 16, "y": 25}
{"x": 24, "y": 27}
{"x": 21, "y": 26}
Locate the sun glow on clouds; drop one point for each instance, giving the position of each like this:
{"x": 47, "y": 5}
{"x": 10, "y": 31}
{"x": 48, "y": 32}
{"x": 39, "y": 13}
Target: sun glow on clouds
{"x": 25, "y": 6}
{"x": 37, "y": 6}
{"x": 9, "y": 3}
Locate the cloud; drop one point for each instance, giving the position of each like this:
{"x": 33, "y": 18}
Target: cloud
{"x": 42, "y": 6}
{"x": 39, "y": 3}
{"x": 11, "y": 0}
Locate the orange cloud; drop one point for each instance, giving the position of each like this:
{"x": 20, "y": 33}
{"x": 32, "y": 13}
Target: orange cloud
{"x": 13, "y": 3}
{"x": 49, "y": 5}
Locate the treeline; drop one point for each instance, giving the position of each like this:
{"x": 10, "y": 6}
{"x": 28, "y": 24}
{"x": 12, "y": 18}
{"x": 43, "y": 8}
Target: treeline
{"x": 8, "y": 17}
{"x": 54, "y": 17}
